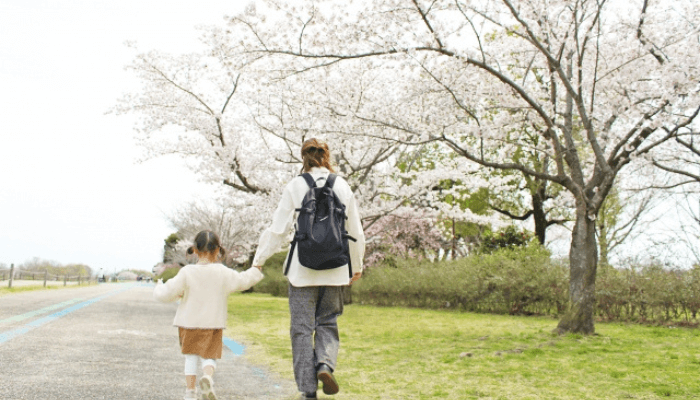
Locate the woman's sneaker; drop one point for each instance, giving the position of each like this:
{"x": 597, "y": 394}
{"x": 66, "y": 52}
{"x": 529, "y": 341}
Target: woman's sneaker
{"x": 206, "y": 384}
{"x": 190, "y": 394}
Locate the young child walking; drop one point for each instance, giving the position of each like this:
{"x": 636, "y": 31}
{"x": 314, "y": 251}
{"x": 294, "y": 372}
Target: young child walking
{"x": 203, "y": 290}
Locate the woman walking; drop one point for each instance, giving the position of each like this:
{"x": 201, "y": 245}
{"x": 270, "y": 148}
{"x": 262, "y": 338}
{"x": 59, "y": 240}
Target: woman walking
{"x": 315, "y": 296}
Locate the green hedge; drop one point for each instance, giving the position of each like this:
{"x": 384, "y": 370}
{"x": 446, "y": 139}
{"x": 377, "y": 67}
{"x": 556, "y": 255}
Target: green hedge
{"x": 648, "y": 294}
{"x": 517, "y": 281}
{"x": 520, "y": 280}
{"x": 169, "y": 273}
{"x": 274, "y": 283}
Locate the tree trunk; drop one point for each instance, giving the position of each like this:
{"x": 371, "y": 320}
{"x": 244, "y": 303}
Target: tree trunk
{"x": 583, "y": 258}
{"x": 538, "y": 213}
{"x": 604, "y": 246}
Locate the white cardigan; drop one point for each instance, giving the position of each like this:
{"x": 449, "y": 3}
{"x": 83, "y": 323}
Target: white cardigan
{"x": 204, "y": 289}
{"x": 274, "y": 237}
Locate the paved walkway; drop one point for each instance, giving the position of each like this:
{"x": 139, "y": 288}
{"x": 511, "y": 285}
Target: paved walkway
{"x": 108, "y": 341}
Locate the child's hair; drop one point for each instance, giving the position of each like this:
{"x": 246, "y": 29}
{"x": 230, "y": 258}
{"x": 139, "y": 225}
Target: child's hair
{"x": 207, "y": 242}
{"x": 315, "y": 153}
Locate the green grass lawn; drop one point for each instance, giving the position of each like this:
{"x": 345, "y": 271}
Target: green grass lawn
{"x": 397, "y": 353}
{"x": 18, "y": 289}
{"x": 39, "y": 286}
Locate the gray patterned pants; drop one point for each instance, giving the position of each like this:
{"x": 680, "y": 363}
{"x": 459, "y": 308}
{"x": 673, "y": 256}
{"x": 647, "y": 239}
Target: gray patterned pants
{"x": 314, "y": 331}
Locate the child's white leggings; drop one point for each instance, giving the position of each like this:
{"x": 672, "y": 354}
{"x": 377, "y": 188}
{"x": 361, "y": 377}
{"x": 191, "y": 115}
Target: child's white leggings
{"x": 191, "y": 361}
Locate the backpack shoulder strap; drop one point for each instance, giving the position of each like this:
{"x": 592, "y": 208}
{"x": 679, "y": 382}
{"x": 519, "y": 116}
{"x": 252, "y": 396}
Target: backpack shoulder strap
{"x": 330, "y": 180}
{"x": 309, "y": 180}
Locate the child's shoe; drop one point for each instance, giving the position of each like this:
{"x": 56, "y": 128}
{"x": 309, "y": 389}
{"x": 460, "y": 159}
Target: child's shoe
{"x": 190, "y": 394}
{"x": 206, "y": 384}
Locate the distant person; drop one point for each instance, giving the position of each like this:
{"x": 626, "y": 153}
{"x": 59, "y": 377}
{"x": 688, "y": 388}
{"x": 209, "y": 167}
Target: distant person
{"x": 201, "y": 315}
{"x": 315, "y": 296}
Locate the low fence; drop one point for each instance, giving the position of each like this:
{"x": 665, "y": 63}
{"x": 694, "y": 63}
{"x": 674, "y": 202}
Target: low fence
{"x": 12, "y": 274}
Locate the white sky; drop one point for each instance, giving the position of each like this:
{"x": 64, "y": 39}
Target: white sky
{"x": 70, "y": 188}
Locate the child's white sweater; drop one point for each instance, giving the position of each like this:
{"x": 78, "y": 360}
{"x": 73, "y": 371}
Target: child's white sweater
{"x": 204, "y": 289}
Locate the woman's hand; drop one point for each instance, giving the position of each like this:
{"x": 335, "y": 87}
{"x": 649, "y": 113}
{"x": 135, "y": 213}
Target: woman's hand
{"x": 355, "y": 277}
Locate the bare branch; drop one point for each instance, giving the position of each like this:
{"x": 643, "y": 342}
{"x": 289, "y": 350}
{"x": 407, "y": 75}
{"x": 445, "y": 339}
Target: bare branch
{"x": 235, "y": 86}
{"x": 562, "y": 180}
{"x": 452, "y": 93}
{"x": 424, "y": 15}
{"x": 511, "y": 216}
{"x": 677, "y": 171}
{"x": 303, "y": 28}
{"x": 478, "y": 37}
{"x": 617, "y": 158}
{"x": 172, "y": 82}
{"x": 652, "y": 48}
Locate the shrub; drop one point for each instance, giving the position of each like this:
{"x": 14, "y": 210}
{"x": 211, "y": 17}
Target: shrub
{"x": 274, "y": 283}
{"x": 516, "y": 280}
{"x": 508, "y": 237}
{"x": 512, "y": 280}
{"x": 648, "y": 294}
{"x": 168, "y": 273}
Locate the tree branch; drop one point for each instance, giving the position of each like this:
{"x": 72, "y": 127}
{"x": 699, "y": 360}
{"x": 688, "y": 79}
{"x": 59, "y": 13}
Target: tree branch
{"x": 427, "y": 23}
{"x": 677, "y": 171}
{"x": 652, "y": 48}
{"x": 172, "y": 82}
{"x": 512, "y": 216}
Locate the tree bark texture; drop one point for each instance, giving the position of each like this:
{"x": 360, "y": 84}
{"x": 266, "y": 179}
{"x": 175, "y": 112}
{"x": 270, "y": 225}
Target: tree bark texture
{"x": 583, "y": 258}
{"x": 538, "y": 213}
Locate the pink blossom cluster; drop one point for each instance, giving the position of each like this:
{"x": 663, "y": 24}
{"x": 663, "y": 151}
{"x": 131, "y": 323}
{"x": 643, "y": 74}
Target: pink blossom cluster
{"x": 405, "y": 234}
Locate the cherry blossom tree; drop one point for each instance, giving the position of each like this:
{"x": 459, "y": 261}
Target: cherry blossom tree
{"x": 238, "y": 224}
{"x": 241, "y": 127}
{"x": 405, "y": 234}
{"x": 600, "y": 83}
{"x": 533, "y": 197}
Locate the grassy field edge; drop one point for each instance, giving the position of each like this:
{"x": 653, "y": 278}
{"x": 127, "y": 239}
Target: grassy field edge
{"x": 399, "y": 353}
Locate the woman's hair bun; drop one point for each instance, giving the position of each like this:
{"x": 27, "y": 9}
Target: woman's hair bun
{"x": 315, "y": 153}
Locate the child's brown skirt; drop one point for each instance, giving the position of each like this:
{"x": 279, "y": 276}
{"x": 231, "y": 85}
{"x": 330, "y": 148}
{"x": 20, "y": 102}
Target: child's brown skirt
{"x": 206, "y": 343}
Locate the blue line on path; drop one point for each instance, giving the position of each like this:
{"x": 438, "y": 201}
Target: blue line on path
{"x": 5, "y": 336}
{"x": 236, "y": 348}
{"x": 34, "y": 313}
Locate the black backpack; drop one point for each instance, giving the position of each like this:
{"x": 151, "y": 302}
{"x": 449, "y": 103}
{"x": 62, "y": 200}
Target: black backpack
{"x": 320, "y": 238}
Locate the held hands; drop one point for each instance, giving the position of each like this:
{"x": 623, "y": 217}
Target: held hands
{"x": 355, "y": 277}
{"x": 258, "y": 267}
